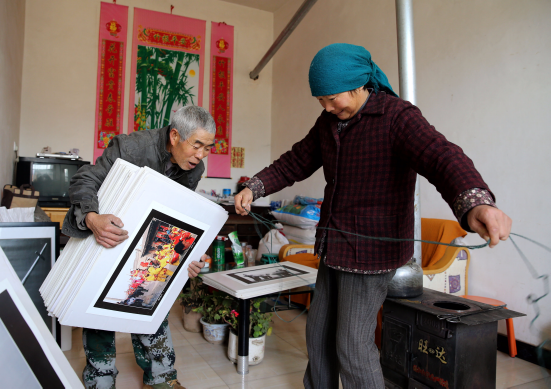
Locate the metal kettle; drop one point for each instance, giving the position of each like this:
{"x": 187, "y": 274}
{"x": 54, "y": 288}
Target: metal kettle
{"x": 407, "y": 282}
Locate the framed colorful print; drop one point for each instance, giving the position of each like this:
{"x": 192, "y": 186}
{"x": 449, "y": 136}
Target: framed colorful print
{"x": 149, "y": 265}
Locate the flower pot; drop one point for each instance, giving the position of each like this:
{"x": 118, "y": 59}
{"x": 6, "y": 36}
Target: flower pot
{"x": 214, "y": 333}
{"x": 191, "y": 320}
{"x": 256, "y": 349}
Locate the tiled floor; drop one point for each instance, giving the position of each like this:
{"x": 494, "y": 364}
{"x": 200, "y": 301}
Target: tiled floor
{"x": 202, "y": 365}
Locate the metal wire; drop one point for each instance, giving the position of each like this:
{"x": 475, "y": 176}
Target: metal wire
{"x": 532, "y": 298}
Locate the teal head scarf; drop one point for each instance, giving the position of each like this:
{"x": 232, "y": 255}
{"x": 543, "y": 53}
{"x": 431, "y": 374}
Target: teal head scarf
{"x": 341, "y": 67}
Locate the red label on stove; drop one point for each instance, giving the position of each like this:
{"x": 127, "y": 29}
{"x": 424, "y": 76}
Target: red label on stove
{"x": 430, "y": 376}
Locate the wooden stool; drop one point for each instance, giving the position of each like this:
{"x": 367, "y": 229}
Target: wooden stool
{"x": 510, "y": 329}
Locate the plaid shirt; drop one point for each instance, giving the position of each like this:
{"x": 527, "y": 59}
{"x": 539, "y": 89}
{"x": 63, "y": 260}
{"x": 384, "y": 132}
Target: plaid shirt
{"x": 370, "y": 169}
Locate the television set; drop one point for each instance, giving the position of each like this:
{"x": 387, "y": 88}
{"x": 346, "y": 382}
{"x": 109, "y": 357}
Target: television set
{"x": 49, "y": 176}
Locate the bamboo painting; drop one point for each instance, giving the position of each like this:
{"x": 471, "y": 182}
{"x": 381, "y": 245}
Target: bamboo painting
{"x": 166, "y": 80}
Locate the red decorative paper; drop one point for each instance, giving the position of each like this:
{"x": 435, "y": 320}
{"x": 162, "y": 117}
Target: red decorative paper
{"x": 221, "y": 79}
{"x": 113, "y": 28}
{"x": 110, "y": 91}
{"x": 169, "y": 39}
{"x": 220, "y": 100}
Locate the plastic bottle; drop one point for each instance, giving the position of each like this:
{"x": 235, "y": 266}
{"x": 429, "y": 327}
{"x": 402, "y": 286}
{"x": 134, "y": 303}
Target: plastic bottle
{"x": 236, "y": 249}
{"x": 219, "y": 253}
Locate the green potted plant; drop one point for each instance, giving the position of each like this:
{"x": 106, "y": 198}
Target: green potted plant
{"x": 215, "y": 310}
{"x": 190, "y": 300}
{"x": 260, "y": 326}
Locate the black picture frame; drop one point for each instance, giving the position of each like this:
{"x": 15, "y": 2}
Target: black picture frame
{"x": 27, "y": 343}
{"x": 147, "y": 311}
{"x": 19, "y": 234}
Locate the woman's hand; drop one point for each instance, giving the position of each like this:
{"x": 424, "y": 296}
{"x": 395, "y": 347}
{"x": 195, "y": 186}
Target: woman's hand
{"x": 490, "y": 223}
{"x": 243, "y": 201}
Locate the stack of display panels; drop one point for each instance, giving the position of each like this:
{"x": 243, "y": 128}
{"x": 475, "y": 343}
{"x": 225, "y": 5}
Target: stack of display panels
{"x": 261, "y": 280}
{"x": 131, "y": 287}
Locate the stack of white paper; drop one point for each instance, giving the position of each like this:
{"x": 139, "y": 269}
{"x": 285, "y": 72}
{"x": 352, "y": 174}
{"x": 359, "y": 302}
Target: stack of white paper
{"x": 250, "y": 282}
{"x": 131, "y": 287}
{"x": 16, "y": 215}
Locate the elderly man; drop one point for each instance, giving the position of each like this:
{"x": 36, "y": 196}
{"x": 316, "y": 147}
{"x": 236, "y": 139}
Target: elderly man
{"x": 177, "y": 152}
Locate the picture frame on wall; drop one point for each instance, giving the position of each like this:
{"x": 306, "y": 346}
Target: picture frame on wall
{"x": 32, "y": 249}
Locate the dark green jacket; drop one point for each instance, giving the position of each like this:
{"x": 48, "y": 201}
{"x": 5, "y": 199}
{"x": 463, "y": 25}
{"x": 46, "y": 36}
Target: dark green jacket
{"x": 141, "y": 148}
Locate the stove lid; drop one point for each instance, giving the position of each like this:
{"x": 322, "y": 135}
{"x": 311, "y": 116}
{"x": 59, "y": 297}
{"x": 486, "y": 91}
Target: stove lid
{"x": 452, "y": 307}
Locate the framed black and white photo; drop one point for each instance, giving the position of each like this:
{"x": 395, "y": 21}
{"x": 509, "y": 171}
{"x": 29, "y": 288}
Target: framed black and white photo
{"x": 255, "y": 276}
{"x": 150, "y": 263}
{"x": 29, "y": 355}
{"x": 21, "y": 352}
{"x": 261, "y": 280}
{"x": 32, "y": 249}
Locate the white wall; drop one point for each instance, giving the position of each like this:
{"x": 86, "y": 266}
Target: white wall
{"x": 483, "y": 80}
{"x": 12, "y": 34}
{"x": 60, "y": 73}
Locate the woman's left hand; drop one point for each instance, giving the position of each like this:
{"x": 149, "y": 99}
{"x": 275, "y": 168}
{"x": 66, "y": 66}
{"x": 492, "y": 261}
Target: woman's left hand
{"x": 195, "y": 267}
{"x": 490, "y": 223}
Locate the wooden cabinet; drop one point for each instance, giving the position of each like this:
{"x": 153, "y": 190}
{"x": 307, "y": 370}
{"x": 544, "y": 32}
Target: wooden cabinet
{"x": 56, "y": 214}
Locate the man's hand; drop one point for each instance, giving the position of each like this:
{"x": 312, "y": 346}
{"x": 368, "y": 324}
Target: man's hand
{"x": 195, "y": 267}
{"x": 107, "y": 229}
{"x": 243, "y": 201}
{"x": 490, "y": 223}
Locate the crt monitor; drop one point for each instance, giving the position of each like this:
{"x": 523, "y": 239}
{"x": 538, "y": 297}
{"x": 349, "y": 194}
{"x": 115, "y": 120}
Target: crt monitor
{"x": 49, "y": 176}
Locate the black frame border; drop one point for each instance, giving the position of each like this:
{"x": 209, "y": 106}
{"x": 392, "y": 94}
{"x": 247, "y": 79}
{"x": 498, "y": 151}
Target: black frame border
{"x": 147, "y": 311}
{"x": 27, "y": 343}
{"x": 248, "y": 282}
{"x": 56, "y": 252}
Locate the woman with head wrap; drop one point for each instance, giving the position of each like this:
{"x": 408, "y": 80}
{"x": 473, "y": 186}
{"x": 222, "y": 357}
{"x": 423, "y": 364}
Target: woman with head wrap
{"x": 371, "y": 145}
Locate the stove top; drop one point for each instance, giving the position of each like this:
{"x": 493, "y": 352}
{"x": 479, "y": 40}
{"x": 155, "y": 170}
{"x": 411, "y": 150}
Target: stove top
{"x": 438, "y": 303}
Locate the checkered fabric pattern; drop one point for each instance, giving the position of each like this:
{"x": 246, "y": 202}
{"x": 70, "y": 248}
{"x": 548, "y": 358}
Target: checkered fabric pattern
{"x": 370, "y": 169}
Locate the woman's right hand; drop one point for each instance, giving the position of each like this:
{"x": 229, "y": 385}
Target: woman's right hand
{"x": 243, "y": 201}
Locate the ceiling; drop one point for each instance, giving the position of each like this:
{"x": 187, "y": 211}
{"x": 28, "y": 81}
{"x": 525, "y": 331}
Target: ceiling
{"x": 265, "y": 5}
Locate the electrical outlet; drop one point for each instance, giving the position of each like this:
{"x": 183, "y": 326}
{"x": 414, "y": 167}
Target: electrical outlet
{"x": 15, "y": 146}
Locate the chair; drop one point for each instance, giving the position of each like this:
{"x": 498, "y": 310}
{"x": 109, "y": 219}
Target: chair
{"x": 445, "y": 268}
{"x": 304, "y": 255}
{"x": 293, "y": 249}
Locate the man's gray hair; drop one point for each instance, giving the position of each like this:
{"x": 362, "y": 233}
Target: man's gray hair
{"x": 187, "y": 120}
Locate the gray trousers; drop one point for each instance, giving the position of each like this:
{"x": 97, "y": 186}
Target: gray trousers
{"x": 340, "y": 331}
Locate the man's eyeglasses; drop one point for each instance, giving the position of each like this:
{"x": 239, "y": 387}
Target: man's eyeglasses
{"x": 204, "y": 149}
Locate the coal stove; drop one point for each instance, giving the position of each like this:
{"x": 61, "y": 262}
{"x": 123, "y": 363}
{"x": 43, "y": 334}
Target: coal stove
{"x": 437, "y": 340}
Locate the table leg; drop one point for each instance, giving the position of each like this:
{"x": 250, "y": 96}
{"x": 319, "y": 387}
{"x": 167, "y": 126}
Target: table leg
{"x": 243, "y": 337}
